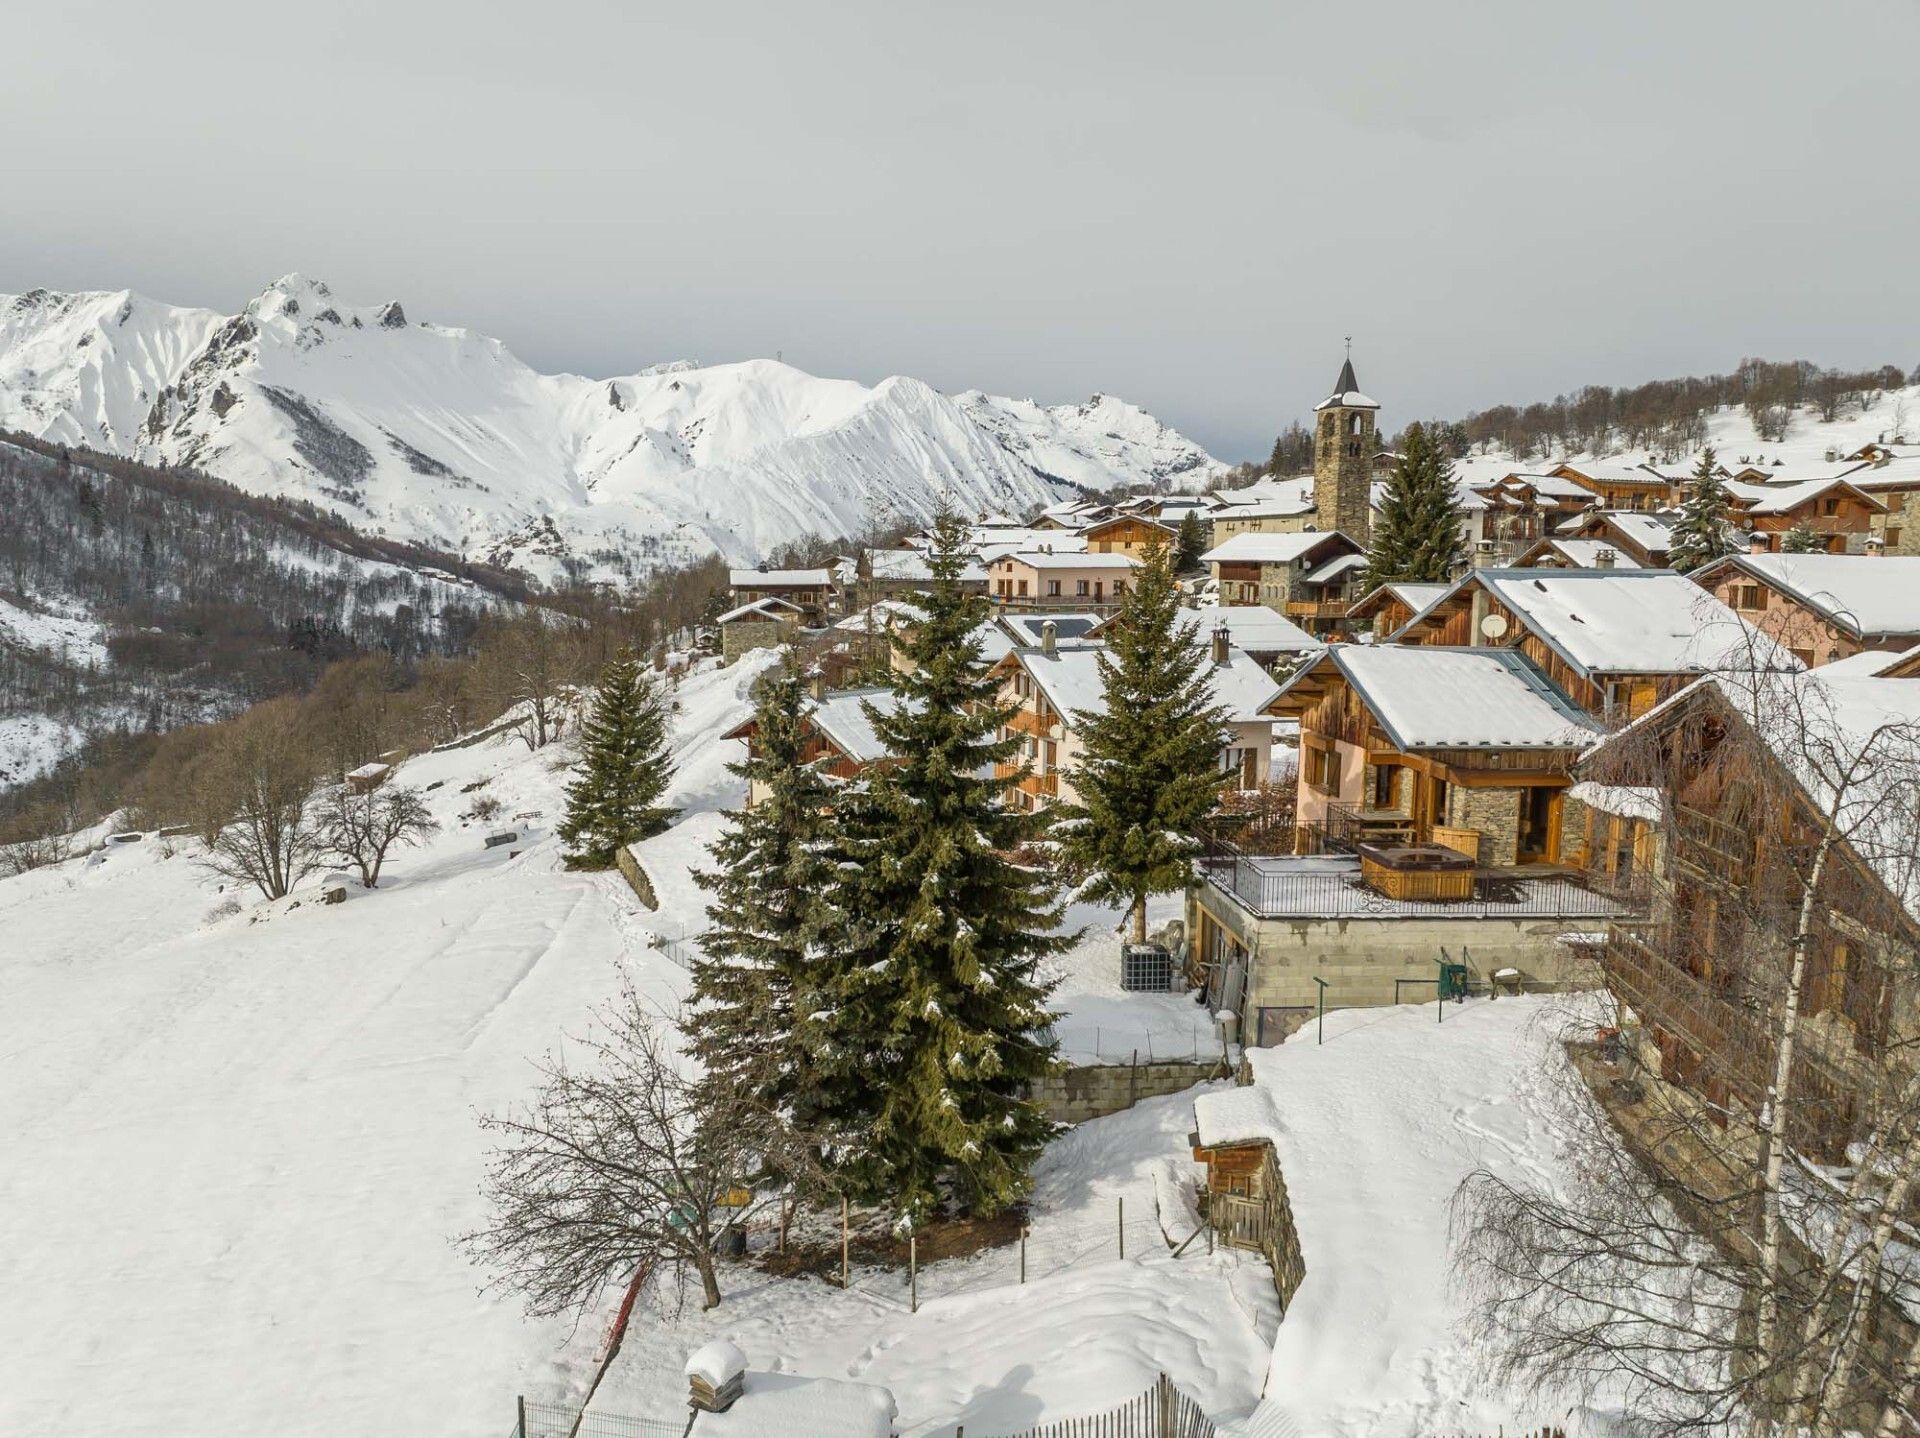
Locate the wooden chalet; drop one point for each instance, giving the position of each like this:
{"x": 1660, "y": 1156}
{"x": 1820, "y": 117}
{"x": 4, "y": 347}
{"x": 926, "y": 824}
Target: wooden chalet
{"x": 1638, "y": 540}
{"x": 1620, "y": 486}
{"x": 1387, "y": 607}
{"x": 1843, "y": 515}
{"x": 1745, "y": 802}
{"x": 811, "y": 591}
{"x": 840, "y": 736}
{"x": 1409, "y": 746}
{"x": 1128, "y": 534}
{"x": 1615, "y": 642}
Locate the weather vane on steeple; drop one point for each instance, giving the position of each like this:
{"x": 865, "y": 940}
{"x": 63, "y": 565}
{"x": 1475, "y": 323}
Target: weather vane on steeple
{"x": 1349, "y": 346}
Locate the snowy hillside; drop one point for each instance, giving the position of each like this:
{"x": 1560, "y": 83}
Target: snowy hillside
{"x": 440, "y": 435}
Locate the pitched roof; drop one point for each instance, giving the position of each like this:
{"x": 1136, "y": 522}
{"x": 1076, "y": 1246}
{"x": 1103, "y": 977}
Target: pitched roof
{"x": 769, "y": 608}
{"x": 1346, "y": 393}
{"x": 1252, "y": 627}
{"x": 843, "y": 719}
{"x": 779, "y": 578}
{"x": 1630, "y": 621}
{"x": 1875, "y": 663}
{"x": 1070, "y": 680}
{"x": 1025, "y": 628}
{"x": 1427, "y": 697}
{"x": 1778, "y": 498}
{"x": 1276, "y": 548}
{"x": 1340, "y": 564}
{"x": 1864, "y": 594}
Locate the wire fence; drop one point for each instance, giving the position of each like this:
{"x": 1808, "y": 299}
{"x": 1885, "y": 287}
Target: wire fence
{"x": 1196, "y": 1041}
{"x": 559, "y": 1420}
{"x": 1137, "y": 1229}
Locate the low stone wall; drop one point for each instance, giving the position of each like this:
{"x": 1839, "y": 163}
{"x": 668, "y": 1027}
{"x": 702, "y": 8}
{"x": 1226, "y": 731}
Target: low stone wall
{"x": 635, "y": 876}
{"x": 1074, "y": 1093}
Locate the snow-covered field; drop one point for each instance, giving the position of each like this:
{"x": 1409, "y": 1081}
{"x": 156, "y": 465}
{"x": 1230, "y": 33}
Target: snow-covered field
{"x": 238, "y": 1144}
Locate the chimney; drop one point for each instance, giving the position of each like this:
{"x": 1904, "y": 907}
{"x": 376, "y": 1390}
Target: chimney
{"x": 1756, "y": 542}
{"x": 1220, "y": 647}
{"x": 817, "y": 682}
{"x": 1483, "y": 554}
{"x": 1876, "y": 544}
{"x": 1049, "y": 637}
{"x": 1604, "y": 559}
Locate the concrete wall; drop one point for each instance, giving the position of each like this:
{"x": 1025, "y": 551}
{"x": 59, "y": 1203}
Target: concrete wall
{"x": 1361, "y": 957}
{"x": 1076, "y": 1093}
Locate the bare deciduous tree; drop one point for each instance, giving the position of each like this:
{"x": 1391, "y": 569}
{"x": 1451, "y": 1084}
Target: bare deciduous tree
{"x": 622, "y": 1164}
{"x": 361, "y": 828}
{"x": 254, "y": 790}
{"x": 1734, "y": 1251}
{"x": 523, "y": 664}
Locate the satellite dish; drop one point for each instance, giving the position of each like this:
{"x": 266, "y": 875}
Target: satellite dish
{"x": 1494, "y": 625}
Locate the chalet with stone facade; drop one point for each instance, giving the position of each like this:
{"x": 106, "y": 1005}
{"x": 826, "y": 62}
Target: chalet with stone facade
{"x": 1310, "y": 577}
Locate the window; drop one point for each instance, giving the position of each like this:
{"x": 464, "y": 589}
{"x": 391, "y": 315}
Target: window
{"x": 1023, "y": 589}
{"x": 1385, "y": 779}
{"x": 1080, "y": 588}
{"x": 1053, "y": 589}
{"x": 1119, "y": 587}
{"x": 1323, "y": 769}
{"x": 1829, "y": 506}
{"x": 1049, "y": 756}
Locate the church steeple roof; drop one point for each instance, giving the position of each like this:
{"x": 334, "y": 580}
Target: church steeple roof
{"x": 1346, "y": 392}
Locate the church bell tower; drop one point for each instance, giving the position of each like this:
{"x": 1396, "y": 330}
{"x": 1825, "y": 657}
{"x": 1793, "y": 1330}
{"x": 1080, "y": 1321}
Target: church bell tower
{"x": 1344, "y": 442}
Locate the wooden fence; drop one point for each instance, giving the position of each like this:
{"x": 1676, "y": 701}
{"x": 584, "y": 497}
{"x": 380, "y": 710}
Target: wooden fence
{"x": 1163, "y": 1411}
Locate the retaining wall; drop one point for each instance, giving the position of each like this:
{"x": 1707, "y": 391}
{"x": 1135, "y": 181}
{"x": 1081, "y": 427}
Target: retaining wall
{"x": 1075, "y": 1093}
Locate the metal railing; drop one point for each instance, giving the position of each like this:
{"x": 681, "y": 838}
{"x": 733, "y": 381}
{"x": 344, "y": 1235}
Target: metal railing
{"x": 533, "y": 1419}
{"x": 1270, "y": 888}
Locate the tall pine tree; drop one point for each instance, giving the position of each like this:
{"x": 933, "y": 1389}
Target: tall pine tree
{"x": 742, "y": 1023}
{"x": 1191, "y": 543}
{"x": 1150, "y": 765}
{"x": 932, "y": 1019}
{"x": 624, "y": 768}
{"x": 1417, "y": 535}
{"x": 1701, "y": 534}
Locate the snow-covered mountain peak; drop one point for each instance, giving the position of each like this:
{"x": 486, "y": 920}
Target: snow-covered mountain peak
{"x": 439, "y": 434}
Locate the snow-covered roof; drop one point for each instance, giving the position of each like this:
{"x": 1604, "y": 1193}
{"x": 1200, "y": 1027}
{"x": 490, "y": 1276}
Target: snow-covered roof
{"x": 1629, "y": 801}
{"x": 1862, "y": 593}
{"x": 1630, "y": 621}
{"x": 1274, "y": 548}
{"x": 1041, "y": 559}
{"x": 1609, "y": 471}
{"x": 1777, "y": 498}
{"x": 880, "y": 616}
{"x": 1554, "y": 486}
{"x": 1252, "y": 627}
{"x": 1872, "y": 663}
{"x": 1346, "y": 393}
{"x": 1583, "y": 553}
{"x": 1235, "y": 1115}
{"x": 911, "y": 566}
{"x": 843, "y": 719}
{"x": 1026, "y": 628}
{"x": 369, "y": 771}
{"x": 1427, "y": 697}
{"x": 788, "y": 1405}
{"x": 779, "y": 578}
{"x": 1652, "y": 532}
{"x": 772, "y": 607}
{"x": 1280, "y": 506}
{"x": 1334, "y": 568}
{"x": 1070, "y": 680}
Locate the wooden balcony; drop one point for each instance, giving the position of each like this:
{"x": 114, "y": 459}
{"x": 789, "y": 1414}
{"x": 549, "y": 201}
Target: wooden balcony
{"x": 1027, "y": 721}
{"x": 1041, "y": 786}
{"x": 1318, "y": 608}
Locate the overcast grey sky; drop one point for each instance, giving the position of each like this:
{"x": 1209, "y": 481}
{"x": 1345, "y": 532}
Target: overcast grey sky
{"x": 1187, "y": 204}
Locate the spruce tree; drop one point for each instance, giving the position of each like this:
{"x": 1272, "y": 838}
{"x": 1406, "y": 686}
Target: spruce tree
{"x": 1149, "y": 772}
{"x": 1801, "y": 540}
{"x": 768, "y": 872}
{"x": 931, "y": 1019}
{"x": 1191, "y": 543}
{"x": 1702, "y": 533}
{"x": 1417, "y": 536}
{"x": 624, "y": 768}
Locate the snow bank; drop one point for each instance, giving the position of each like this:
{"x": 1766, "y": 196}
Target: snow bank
{"x": 785, "y": 1405}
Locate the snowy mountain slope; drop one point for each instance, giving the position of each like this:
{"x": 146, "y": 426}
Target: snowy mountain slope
{"x": 441, "y": 435}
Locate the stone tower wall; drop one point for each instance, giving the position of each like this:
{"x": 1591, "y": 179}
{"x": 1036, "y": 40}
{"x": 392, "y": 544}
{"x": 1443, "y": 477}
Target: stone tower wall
{"x": 1343, "y": 470}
